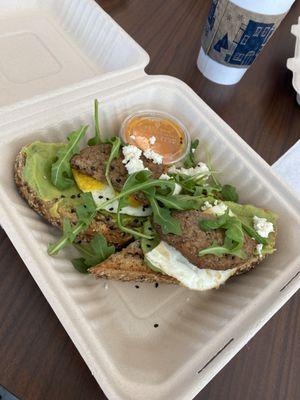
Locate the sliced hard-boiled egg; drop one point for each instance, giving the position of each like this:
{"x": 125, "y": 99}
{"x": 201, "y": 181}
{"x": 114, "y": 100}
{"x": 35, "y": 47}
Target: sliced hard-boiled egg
{"x": 102, "y": 192}
{"x": 170, "y": 261}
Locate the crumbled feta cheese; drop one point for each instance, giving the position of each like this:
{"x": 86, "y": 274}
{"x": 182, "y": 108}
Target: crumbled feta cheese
{"x": 206, "y": 206}
{"x": 177, "y": 188}
{"x": 218, "y": 209}
{"x": 259, "y": 248}
{"x": 262, "y": 226}
{"x": 152, "y": 155}
{"x": 166, "y": 177}
{"x": 216, "y": 202}
{"x": 131, "y": 152}
{"x": 152, "y": 140}
{"x": 132, "y": 160}
{"x": 132, "y": 137}
{"x": 201, "y": 168}
{"x": 135, "y": 165}
{"x": 193, "y": 150}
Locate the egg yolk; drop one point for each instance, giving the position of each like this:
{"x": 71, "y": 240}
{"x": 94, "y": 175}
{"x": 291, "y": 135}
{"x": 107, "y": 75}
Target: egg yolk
{"x": 87, "y": 183}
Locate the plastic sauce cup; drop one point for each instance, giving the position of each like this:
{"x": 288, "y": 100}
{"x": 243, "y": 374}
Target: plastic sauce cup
{"x": 158, "y": 131}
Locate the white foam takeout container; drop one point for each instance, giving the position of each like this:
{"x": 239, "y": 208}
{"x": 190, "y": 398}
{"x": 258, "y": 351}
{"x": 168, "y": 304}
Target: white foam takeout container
{"x": 56, "y": 57}
{"x": 294, "y": 63}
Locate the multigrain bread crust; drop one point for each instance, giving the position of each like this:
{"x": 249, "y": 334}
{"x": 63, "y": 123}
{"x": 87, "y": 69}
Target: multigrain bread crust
{"x": 101, "y": 224}
{"x": 125, "y": 265}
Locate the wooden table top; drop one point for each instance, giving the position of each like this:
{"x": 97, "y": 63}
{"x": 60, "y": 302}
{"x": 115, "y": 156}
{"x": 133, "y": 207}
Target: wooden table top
{"x": 38, "y": 360}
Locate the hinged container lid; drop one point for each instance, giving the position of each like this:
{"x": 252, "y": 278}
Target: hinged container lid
{"x": 51, "y": 47}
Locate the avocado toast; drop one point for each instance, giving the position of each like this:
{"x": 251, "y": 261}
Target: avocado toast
{"x": 133, "y": 218}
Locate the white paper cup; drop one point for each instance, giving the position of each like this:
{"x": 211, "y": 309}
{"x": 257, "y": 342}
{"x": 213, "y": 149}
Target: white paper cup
{"x": 235, "y": 33}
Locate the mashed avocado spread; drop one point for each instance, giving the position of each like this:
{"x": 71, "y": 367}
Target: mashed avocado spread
{"x": 37, "y": 171}
{"x": 246, "y": 212}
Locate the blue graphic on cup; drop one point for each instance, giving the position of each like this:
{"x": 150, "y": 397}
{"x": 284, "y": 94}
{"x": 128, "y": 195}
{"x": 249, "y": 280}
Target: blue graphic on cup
{"x": 248, "y": 42}
{"x": 211, "y": 15}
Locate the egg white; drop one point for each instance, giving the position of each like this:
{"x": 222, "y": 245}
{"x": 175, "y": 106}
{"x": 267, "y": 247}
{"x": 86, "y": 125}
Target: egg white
{"x": 102, "y": 195}
{"x": 170, "y": 261}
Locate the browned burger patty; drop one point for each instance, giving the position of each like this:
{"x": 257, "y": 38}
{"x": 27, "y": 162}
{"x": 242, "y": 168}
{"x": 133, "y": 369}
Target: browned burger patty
{"x": 193, "y": 239}
{"x": 91, "y": 161}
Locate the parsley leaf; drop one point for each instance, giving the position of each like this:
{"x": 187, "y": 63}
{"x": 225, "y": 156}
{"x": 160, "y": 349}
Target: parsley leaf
{"x": 92, "y": 253}
{"x": 61, "y": 173}
{"x": 189, "y": 161}
{"x": 229, "y": 193}
{"x": 97, "y": 138}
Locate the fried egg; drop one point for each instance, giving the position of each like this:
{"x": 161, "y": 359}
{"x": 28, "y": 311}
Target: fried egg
{"x": 170, "y": 261}
{"x": 102, "y": 192}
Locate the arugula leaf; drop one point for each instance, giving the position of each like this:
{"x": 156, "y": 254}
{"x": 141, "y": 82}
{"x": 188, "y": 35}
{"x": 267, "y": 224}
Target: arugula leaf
{"x": 163, "y": 217}
{"x": 253, "y": 234}
{"x": 189, "y": 161}
{"x": 220, "y": 251}
{"x": 86, "y": 211}
{"x": 68, "y": 229}
{"x": 92, "y": 253}
{"x": 208, "y": 163}
{"x": 149, "y": 244}
{"x": 115, "y": 151}
{"x": 229, "y": 193}
{"x": 234, "y": 236}
{"x": 183, "y": 202}
{"x": 61, "y": 173}
{"x": 97, "y": 138}
{"x": 136, "y": 182}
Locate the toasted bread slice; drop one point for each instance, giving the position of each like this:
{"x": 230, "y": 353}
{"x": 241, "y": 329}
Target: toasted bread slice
{"x": 103, "y": 224}
{"x": 129, "y": 265}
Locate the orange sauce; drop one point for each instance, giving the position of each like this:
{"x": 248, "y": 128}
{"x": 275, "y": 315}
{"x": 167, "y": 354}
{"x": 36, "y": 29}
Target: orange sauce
{"x": 169, "y": 136}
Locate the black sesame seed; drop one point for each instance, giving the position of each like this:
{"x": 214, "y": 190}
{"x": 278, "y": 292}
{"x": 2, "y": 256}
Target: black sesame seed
{"x": 73, "y": 196}
{"x": 107, "y": 218}
{"x": 100, "y": 197}
{"x": 73, "y": 210}
{"x": 137, "y": 286}
{"x": 107, "y": 198}
{"x": 150, "y": 228}
{"x": 155, "y": 325}
{"x": 149, "y": 246}
{"x": 118, "y": 180}
{"x": 111, "y": 209}
{"x": 79, "y": 195}
{"x": 156, "y": 284}
{"x": 84, "y": 206}
{"x": 62, "y": 196}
